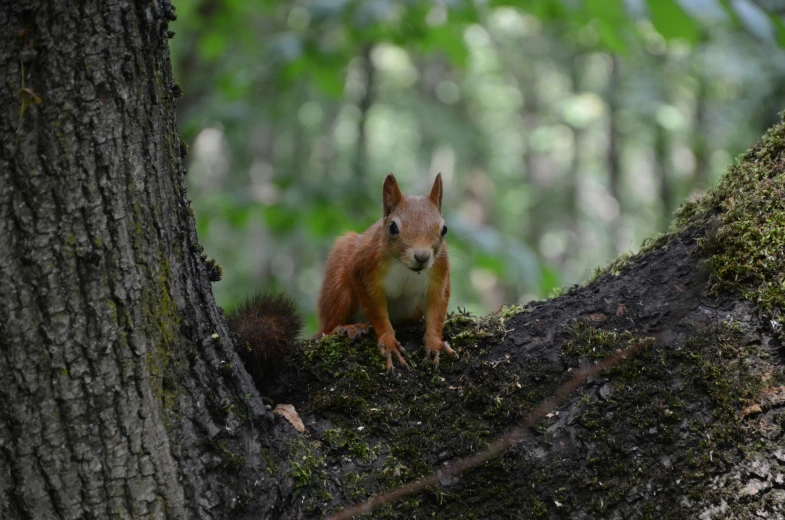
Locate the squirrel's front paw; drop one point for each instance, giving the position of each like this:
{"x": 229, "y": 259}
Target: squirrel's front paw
{"x": 388, "y": 345}
{"x": 435, "y": 346}
{"x": 355, "y": 331}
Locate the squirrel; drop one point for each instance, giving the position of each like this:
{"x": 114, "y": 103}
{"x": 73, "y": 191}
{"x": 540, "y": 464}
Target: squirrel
{"x": 395, "y": 272}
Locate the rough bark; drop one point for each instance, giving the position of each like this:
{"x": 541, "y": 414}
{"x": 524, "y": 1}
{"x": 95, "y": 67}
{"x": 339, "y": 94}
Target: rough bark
{"x": 120, "y": 394}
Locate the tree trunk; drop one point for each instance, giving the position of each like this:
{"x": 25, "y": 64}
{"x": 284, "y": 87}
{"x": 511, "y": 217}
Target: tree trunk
{"x": 121, "y": 396}
{"x": 662, "y": 169}
{"x": 119, "y": 390}
{"x": 614, "y": 155}
{"x": 360, "y": 166}
{"x": 701, "y": 139}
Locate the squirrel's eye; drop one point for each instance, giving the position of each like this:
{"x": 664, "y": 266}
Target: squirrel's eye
{"x": 444, "y": 229}
{"x": 394, "y": 228}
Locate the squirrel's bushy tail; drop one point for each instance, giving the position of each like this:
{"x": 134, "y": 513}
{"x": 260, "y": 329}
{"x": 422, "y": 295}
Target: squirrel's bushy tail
{"x": 265, "y": 327}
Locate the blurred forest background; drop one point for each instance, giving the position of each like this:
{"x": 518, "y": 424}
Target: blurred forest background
{"x": 567, "y": 131}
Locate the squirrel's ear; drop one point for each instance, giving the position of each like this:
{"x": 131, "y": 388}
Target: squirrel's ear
{"x": 391, "y": 194}
{"x": 436, "y": 192}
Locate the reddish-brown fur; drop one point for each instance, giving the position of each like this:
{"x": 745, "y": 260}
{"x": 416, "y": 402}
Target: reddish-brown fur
{"x": 355, "y": 280}
{"x": 265, "y": 327}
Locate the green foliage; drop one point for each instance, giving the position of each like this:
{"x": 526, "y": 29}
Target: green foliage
{"x": 779, "y": 28}
{"x": 294, "y": 112}
{"x": 611, "y": 20}
{"x": 671, "y": 21}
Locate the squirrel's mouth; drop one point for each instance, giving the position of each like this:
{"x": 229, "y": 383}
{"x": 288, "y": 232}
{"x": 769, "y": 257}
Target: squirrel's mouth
{"x": 419, "y": 268}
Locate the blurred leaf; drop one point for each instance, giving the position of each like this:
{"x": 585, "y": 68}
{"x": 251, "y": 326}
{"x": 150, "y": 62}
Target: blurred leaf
{"x": 236, "y": 215}
{"x": 449, "y": 40}
{"x": 550, "y": 279}
{"x": 610, "y": 17}
{"x": 329, "y": 79}
{"x": 671, "y": 21}
{"x": 462, "y": 12}
{"x": 280, "y": 219}
{"x": 325, "y": 220}
{"x": 545, "y": 10}
{"x": 610, "y": 39}
{"x": 212, "y": 45}
{"x": 413, "y": 26}
{"x": 234, "y": 86}
{"x": 609, "y": 11}
{"x": 490, "y": 262}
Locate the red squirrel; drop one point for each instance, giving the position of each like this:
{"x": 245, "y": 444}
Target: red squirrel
{"x": 395, "y": 272}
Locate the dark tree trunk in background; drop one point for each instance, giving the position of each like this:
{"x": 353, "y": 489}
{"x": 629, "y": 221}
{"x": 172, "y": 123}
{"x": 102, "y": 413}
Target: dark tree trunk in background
{"x": 121, "y": 396}
{"x": 662, "y": 168}
{"x": 118, "y": 393}
{"x": 360, "y": 160}
{"x": 614, "y": 154}
{"x": 576, "y": 163}
{"x": 701, "y": 140}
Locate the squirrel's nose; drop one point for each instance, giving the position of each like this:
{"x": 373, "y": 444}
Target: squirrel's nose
{"x": 422, "y": 255}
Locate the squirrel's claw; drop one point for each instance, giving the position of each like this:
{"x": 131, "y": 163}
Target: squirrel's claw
{"x": 355, "y": 331}
{"x": 436, "y": 351}
{"x": 389, "y": 347}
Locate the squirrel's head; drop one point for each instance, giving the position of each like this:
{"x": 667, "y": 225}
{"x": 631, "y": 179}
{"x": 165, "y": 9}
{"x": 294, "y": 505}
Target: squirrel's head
{"x": 413, "y": 225}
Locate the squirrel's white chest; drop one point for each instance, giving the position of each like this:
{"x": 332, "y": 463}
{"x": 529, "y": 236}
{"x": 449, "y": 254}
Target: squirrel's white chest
{"x": 406, "y": 290}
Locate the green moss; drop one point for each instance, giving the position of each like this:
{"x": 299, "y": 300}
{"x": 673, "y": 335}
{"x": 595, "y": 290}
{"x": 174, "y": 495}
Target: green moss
{"x": 745, "y": 215}
{"x": 231, "y": 459}
{"x": 269, "y": 465}
{"x": 466, "y": 330}
{"x": 539, "y": 510}
{"x": 307, "y": 467}
{"x": 164, "y": 317}
{"x": 399, "y": 427}
{"x": 227, "y": 369}
{"x": 510, "y": 311}
{"x": 712, "y": 368}
{"x": 184, "y": 149}
{"x": 593, "y": 343}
